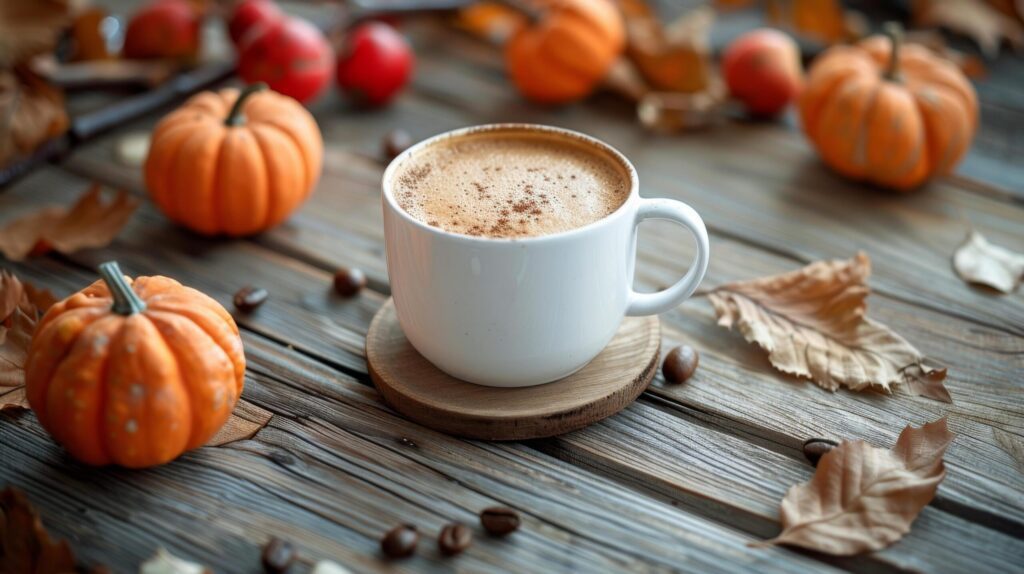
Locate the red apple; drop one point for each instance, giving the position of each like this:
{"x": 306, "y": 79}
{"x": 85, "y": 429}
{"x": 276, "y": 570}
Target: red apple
{"x": 163, "y": 29}
{"x": 762, "y": 69}
{"x": 375, "y": 64}
{"x": 290, "y": 55}
{"x": 250, "y": 15}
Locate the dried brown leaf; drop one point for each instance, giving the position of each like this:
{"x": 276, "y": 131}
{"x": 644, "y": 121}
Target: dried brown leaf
{"x": 978, "y": 261}
{"x": 672, "y": 58}
{"x": 31, "y": 112}
{"x": 30, "y": 27}
{"x": 89, "y": 223}
{"x": 822, "y": 20}
{"x": 863, "y": 498}
{"x": 25, "y": 546}
{"x": 976, "y": 19}
{"x": 813, "y": 324}
{"x": 246, "y": 420}
{"x": 15, "y": 336}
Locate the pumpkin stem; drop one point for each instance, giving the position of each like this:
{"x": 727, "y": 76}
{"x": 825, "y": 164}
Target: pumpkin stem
{"x": 894, "y": 32}
{"x": 126, "y": 302}
{"x": 235, "y": 117}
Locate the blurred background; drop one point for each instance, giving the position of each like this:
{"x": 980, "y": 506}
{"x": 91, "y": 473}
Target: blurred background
{"x": 73, "y": 69}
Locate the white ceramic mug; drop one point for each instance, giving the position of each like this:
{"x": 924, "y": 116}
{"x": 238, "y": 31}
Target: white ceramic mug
{"x": 518, "y": 312}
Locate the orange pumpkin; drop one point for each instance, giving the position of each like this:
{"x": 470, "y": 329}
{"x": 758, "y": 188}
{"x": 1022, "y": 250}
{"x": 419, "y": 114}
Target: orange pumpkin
{"x": 888, "y": 114}
{"x": 134, "y": 373}
{"x": 235, "y": 164}
{"x": 569, "y": 48}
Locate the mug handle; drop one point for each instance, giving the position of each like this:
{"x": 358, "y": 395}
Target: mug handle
{"x": 678, "y": 212}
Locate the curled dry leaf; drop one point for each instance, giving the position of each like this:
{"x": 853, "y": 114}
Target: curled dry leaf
{"x": 245, "y": 421}
{"x": 89, "y": 223}
{"x": 25, "y": 546}
{"x": 978, "y": 261}
{"x": 822, "y": 20}
{"x": 20, "y": 307}
{"x": 163, "y": 562}
{"x": 813, "y": 324}
{"x": 29, "y": 28}
{"x": 863, "y": 498}
{"x": 673, "y": 58}
{"x": 973, "y": 18}
{"x": 31, "y": 112}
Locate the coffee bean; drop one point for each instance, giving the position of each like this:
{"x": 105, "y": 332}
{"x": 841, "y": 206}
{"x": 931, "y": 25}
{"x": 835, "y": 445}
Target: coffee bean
{"x": 395, "y": 142}
{"x": 248, "y": 298}
{"x": 454, "y": 538}
{"x": 680, "y": 363}
{"x": 349, "y": 282}
{"x": 400, "y": 541}
{"x": 499, "y": 520}
{"x": 815, "y": 448}
{"x": 278, "y": 556}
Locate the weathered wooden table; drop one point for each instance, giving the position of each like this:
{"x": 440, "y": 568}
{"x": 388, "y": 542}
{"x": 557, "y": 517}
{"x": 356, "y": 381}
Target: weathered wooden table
{"x": 682, "y": 480}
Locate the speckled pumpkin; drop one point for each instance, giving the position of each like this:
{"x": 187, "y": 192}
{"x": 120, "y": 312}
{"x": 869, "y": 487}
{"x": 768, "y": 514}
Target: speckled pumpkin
{"x": 566, "y": 53}
{"x": 888, "y": 114}
{"x": 234, "y": 163}
{"x": 134, "y": 373}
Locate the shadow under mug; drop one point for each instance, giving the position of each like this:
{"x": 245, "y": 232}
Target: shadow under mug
{"x": 518, "y": 312}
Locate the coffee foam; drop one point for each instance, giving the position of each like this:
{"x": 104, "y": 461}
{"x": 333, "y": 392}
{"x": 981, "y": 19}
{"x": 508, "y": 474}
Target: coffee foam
{"x": 507, "y": 184}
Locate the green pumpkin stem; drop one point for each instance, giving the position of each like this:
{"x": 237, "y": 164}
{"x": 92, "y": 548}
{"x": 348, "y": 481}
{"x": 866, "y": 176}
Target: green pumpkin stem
{"x": 894, "y": 32}
{"x": 126, "y": 302}
{"x": 235, "y": 116}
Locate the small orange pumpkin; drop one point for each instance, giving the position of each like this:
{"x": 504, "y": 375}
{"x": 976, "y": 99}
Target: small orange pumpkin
{"x": 567, "y": 51}
{"x": 134, "y": 373}
{"x": 888, "y": 114}
{"x": 231, "y": 163}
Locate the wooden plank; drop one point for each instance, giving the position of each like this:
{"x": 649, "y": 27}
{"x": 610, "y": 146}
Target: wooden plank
{"x": 201, "y": 266}
{"x": 984, "y": 361}
{"x": 335, "y": 468}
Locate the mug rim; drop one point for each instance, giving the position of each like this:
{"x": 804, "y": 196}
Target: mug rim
{"x": 634, "y": 180}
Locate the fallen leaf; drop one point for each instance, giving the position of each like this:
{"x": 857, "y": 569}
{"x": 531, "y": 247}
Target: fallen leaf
{"x": 971, "y": 65}
{"x": 489, "y": 20}
{"x": 29, "y": 28}
{"x": 978, "y": 261}
{"x": 863, "y": 498}
{"x": 163, "y": 562}
{"x": 89, "y": 223}
{"x": 25, "y": 546}
{"x": 15, "y": 336}
{"x": 1012, "y": 444}
{"x": 673, "y": 58}
{"x": 813, "y": 324}
{"x": 31, "y": 112}
{"x": 245, "y": 421}
{"x": 822, "y": 20}
{"x": 12, "y": 293}
{"x": 987, "y": 26}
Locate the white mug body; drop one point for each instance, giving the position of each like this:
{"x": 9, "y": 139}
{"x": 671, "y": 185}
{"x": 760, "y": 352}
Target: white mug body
{"x": 513, "y": 312}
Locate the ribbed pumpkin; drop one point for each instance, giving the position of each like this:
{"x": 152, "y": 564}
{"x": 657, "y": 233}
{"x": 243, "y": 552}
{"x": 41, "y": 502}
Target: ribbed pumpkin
{"x": 134, "y": 373}
{"x": 890, "y": 115}
{"x": 567, "y": 51}
{"x": 234, "y": 164}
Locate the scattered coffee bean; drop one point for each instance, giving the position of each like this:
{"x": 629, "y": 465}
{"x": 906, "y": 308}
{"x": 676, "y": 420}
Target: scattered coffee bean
{"x": 278, "y": 556}
{"x": 349, "y": 282}
{"x": 454, "y": 538}
{"x": 680, "y": 363}
{"x": 248, "y": 298}
{"x": 395, "y": 142}
{"x": 499, "y": 520}
{"x": 400, "y": 541}
{"x": 815, "y": 448}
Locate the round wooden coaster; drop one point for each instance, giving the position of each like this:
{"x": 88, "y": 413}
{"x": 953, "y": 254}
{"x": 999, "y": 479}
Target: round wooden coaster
{"x": 416, "y": 388}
